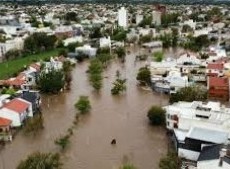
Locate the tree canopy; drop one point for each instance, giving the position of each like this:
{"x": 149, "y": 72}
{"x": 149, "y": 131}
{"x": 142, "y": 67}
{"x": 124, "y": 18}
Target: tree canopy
{"x": 39, "y": 41}
{"x": 189, "y": 94}
{"x": 52, "y": 81}
{"x": 144, "y": 75}
{"x": 83, "y": 104}
{"x": 41, "y": 160}
{"x": 156, "y": 115}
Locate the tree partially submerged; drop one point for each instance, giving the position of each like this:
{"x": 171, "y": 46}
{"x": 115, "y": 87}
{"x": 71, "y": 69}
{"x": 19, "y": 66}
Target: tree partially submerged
{"x": 41, "y": 160}
{"x": 144, "y": 76}
{"x": 95, "y": 74}
{"x": 171, "y": 161}
{"x": 34, "y": 125}
{"x": 156, "y": 115}
{"x": 83, "y": 104}
{"x": 63, "y": 141}
{"x": 51, "y": 81}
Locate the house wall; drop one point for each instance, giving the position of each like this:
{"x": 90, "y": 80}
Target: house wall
{"x": 14, "y": 117}
{"x": 188, "y": 154}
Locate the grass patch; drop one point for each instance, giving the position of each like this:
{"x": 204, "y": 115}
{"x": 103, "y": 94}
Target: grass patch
{"x": 12, "y": 67}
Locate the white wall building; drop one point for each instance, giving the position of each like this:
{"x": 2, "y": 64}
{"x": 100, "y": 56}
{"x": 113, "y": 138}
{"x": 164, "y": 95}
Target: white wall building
{"x": 122, "y": 18}
{"x": 196, "y": 124}
{"x": 156, "y": 15}
{"x": 139, "y": 18}
{"x": 16, "y": 44}
{"x": 87, "y": 50}
{"x": 105, "y": 42}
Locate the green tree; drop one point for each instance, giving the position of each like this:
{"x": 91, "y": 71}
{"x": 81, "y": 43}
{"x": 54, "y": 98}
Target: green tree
{"x": 158, "y": 56}
{"x": 95, "y": 74}
{"x": 119, "y": 34}
{"x": 52, "y": 81}
{"x": 13, "y": 54}
{"x": 33, "y": 125}
{"x": 119, "y": 85}
{"x": 171, "y": 161}
{"x": 128, "y": 166}
{"x": 83, "y": 104}
{"x": 156, "y": 115}
{"x": 63, "y": 141}
{"x": 147, "y": 20}
{"x": 120, "y": 51}
{"x": 41, "y": 160}
{"x": 144, "y": 76}
{"x": 39, "y": 41}
{"x": 189, "y": 94}
{"x": 71, "y": 16}
{"x": 95, "y": 33}
{"x": 63, "y": 52}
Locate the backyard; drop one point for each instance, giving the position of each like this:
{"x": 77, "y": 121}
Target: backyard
{"x": 12, "y": 67}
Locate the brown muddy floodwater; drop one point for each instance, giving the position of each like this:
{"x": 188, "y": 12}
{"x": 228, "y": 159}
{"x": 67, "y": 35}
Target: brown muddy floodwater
{"x": 122, "y": 117}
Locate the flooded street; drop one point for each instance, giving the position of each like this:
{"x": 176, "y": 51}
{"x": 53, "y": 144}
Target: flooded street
{"x": 122, "y": 117}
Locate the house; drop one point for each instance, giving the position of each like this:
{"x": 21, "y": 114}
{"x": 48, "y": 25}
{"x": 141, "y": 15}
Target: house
{"x": 160, "y": 68}
{"x": 105, "y": 42}
{"x": 33, "y": 97}
{"x": 196, "y": 124}
{"x": 14, "y": 44}
{"x": 171, "y": 83}
{"x": 5, "y": 129}
{"x": 189, "y": 144}
{"x": 75, "y": 39}
{"x": 215, "y": 69}
{"x": 16, "y": 110}
{"x": 87, "y": 50}
{"x": 218, "y": 88}
{"x": 215, "y": 156}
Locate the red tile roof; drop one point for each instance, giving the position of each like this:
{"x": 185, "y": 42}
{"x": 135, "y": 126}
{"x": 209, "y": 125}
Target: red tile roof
{"x": 17, "y": 105}
{"x": 4, "y": 122}
{"x": 218, "y": 66}
{"x": 219, "y": 81}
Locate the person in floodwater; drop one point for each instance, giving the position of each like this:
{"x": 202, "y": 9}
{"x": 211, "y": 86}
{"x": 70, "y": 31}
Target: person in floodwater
{"x": 113, "y": 142}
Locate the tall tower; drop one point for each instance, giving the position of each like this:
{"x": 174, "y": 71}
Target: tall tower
{"x": 122, "y": 18}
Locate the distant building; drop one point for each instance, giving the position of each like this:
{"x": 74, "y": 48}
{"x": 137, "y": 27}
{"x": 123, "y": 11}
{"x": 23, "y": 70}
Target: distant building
{"x": 122, "y": 18}
{"x": 105, "y": 42}
{"x": 139, "y": 18}
{"x": 218, "y": 88}
{"x": 156, "y": 15}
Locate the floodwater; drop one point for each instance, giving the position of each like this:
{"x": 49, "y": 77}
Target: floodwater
{"x": 121, "y": 117}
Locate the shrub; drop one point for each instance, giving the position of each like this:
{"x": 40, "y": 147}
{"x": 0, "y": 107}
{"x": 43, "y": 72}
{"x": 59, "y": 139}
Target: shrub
{"x": 156, "y": 115}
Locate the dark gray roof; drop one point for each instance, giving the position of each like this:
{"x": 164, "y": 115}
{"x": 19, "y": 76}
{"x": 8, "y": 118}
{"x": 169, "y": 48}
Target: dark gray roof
{"x": 210, "y": 152}
{"x": 226, "y": 159}
{"x": 30, "y": 96}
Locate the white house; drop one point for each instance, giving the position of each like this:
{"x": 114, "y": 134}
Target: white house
{"x": 171, "y": 83}
{"x": 196, "y": 124}
{"x": 139, "y": 18}
{"x": 74, "y": 39}
{"x": 16, "y": 110}
{"x": 87, "y": 50}
{"x": 122, "y": 18}
{"x": 105, "y": 42}
{"x": 16, "y": 44}
{"x": 160, "y": 68}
